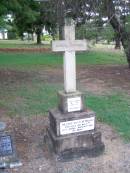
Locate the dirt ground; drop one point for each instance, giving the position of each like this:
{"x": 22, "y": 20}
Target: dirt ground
{"x": 29, "y": 132}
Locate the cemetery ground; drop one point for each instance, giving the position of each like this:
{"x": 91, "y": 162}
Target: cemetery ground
{"x": 28, "y": 88}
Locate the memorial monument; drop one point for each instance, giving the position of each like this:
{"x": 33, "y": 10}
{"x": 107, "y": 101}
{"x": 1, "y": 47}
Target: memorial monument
{"x": 72, "y": 127}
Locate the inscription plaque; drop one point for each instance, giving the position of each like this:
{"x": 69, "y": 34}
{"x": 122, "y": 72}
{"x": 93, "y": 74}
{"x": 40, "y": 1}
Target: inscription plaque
{"x": 74, "y": 104}
{"x": 75, "y": 126}
{"x": 6, "y": 147}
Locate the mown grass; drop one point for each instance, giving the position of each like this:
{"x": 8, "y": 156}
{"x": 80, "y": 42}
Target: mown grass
{"x": 21, "y": 44}
{"x": 101, "y": 58}
{"x": 112, "y": 109}
{"x": 37, "y": 97}
{"x": 26, "y": 100}
{"x": 29, "y": 60}
{"x": 33, "y": 97}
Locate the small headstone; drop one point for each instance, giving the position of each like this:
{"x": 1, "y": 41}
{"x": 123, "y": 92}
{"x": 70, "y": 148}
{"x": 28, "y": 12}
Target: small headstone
{"x": 7, "y": 150}
{"x": 6, "y": 147}
{"x": 8, "y": 156}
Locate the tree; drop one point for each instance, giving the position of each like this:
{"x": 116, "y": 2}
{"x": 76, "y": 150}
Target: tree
{"x": 121, "y": 27}
{"x": 29, "y": 16}
{"x": 107, "y": 33}
{"x": 118, "y": 13}
{"x": 34, "y": 16}
{"x": 26, "y": 18}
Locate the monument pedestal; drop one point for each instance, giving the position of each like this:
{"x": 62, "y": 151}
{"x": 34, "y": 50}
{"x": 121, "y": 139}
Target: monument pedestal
{"x": 73, "y": 134}
{"x": 69, "y": 102}
{"x": 72, "y": 131}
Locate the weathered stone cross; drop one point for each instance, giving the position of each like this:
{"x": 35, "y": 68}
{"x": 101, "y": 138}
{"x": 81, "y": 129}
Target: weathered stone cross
{"x": 69, "y": 46}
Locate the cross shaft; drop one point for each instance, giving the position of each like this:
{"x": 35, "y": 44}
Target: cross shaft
{"x": 69, "y": 46}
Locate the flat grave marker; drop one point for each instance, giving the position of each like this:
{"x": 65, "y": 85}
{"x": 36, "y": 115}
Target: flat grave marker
{"x": 6, "y": 147}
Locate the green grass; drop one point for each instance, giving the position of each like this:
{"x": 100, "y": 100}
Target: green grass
{"x": 26, "y": 100}
{"x": 101, "y": 58}
{"x": 112, "y": 109}
{"x": 35, "y": 96}
{"x": 21, "y": 44}
{"x": 28, "y": 60}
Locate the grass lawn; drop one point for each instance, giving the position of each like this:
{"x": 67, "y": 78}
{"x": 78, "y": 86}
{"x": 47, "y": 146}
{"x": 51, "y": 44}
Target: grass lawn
{"x": 14, "y": 60}
{"x": 34, "y": 96}
{"x": 21, "y": 44}
{"x": 113, "y": 109}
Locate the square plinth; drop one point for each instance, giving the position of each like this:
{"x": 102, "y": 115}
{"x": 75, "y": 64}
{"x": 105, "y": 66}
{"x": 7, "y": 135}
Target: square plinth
{"x": 70, "y": 102}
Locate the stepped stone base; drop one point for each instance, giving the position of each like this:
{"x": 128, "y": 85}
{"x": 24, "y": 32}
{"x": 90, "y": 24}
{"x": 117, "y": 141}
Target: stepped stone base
{"x": 73, "y": 144}
{"x": 76, "y": 146}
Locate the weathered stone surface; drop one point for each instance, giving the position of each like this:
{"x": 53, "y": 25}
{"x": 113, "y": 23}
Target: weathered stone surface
{"x": 63, "y": 98}
{"x": 56, "y": 117}
{"x": 73, "y": 145}
{"x": 72, "y": 132}
{"x": 69, "y": 46}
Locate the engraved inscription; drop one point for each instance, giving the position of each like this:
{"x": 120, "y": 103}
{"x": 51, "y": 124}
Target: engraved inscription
{"x": 75, "y": 126}
{"x": 74, "y": 104}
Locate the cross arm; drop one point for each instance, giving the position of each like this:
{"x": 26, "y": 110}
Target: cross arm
{"x": 68, "y": 45}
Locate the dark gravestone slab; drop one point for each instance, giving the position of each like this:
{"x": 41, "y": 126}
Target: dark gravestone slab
{"x": 6, "y": 147}
{"x": 8, "y": 156}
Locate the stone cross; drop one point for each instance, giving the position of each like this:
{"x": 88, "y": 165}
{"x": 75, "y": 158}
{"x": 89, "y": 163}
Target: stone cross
{"x": 69, "y": 46}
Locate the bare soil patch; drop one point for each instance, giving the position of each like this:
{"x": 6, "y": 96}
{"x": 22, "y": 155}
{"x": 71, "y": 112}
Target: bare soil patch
{"x": 29, "y": 133}
{"x": 95, "y": 78}
{"x": 100, "y": 79}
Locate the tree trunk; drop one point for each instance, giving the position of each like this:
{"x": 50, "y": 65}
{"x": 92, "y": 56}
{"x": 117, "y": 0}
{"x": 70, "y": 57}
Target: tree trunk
{"x": 117, "y": 41}
{"x": 61, "y": 33}
{"x": 38, "y": 32}
{"x": 127, "y": 52}
{"x": 53, "y": 36}
{"x": 39, "y": 38}
{"x": 32, "y": 36}
{"x": 118, "y": 28}
{"x": 61, "y": 18}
